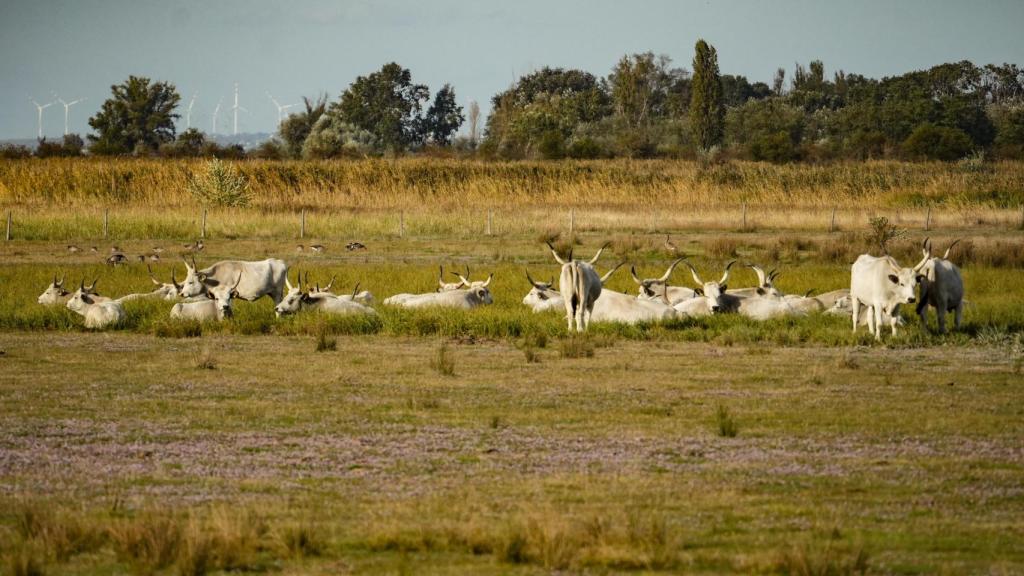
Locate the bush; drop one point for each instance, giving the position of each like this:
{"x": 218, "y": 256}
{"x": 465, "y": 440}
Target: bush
{"x": 220, "y": 185}
{"x": 552, "y": 145}
{"x": 776, "y": 147}
{"x": 14, "y": 151}
{"x": 585, "y": 148}
{"x": 930, "y": 142}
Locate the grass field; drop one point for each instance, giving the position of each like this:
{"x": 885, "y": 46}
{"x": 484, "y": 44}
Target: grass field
{"x": 488, "y": 442}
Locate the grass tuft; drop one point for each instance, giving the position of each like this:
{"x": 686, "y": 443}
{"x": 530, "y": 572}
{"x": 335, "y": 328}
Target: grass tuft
{"x": 443, "y": 362}
{"x": 204, "y": 360}
{"x": 325, "y": 342}
{"x": 725, "y": 423}
{"x": 576, "y": 346}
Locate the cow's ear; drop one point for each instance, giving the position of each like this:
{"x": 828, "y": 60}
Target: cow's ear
{"x": 894, "y": 278}
{"x": 919, "y": 278}
{"x": 760, "y": 291}
{"x": 87, "y": 298}
{"x": 698, "y": 291}
{"x": 723, "y": 288}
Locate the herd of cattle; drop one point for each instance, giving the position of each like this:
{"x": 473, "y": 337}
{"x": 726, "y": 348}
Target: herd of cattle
{"x": 878, "y": 287}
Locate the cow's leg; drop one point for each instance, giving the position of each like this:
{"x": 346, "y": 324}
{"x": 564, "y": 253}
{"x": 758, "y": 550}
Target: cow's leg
{"x": 922, "y": 311}
{"x": 893, "y": 319}
{"x": 878, "y": 322}
{"x": 570, "y": 315}
{"x": 958, "y": 314}
{"x": 940, "y": 317}
{"x": 856, "y": 312}
{"x": 581, "y": 310}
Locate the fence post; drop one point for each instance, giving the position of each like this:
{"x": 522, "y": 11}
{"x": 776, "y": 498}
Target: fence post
{"x": 928, "y": 219}
{"x": 9, "y": 216}
{"x": 401, "y": 224}
{"x": 202, "y": 232}
{"x": 302, "y": 224}
{"x": 490, "y": 215}
{"x": 832, "y": 224}
{"x": 106, "y": 221}
{"x": 1021, "y": 220}
{"x": 572, "y": 223}
{"x": 744, "y": 216}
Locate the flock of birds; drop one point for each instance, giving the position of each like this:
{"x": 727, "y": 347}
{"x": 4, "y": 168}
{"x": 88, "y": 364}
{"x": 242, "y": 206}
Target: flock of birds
{"x": 118, "y": 257}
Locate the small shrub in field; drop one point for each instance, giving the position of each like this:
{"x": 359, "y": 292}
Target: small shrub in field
{"x": 299, "y": 540}
{"x": 530, "y": 353}
{"x": 443, "y": 362}
{"x": 806, "y": 561}
{"x": 220, "y": 184}
{"x": 726, "y": 424}
{"x": 325, "y": 342}
{"x": 722, "y": 248}
{"x": 881, "y": 233}
{"x": 576, "y": 346}
{"x": 204, "y": 360}
{"x": 848, "y": 361}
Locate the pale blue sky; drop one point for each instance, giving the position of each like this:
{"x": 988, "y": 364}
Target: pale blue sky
{"x": 78, "y": 48}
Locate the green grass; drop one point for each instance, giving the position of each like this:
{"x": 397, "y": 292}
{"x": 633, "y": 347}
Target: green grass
{"x": 906, "y": 460}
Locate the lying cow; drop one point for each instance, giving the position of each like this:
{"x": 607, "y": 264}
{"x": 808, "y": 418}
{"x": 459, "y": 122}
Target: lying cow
{"x": 296, "y": 300}
{"x": 218, "y": 306}
{"x": 659, "y": 289}
{"x": 542, "y": 297}
{"x": 98, "y": 313}
{"x": 364, "y": 297}
{"x": 55, "y": 293}
{"x": 262, "y": 278}
{"x": 463, "y": 298}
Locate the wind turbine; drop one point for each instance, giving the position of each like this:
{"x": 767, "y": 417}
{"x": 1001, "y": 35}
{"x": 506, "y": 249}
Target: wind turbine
{"x": 216, "y": 111}
{"x": 67, "y": 109}
{"x": 280, "y": 109}
{"x": 40, "y": 108}
{"x": 235, "y": 109}
{"x": 188, "y": 113}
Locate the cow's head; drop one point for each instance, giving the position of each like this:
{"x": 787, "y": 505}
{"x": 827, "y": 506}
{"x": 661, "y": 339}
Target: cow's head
{"x": 293, "y": 299}
{"x": 54, "y": 293}
{"x": 166, "y": 291}
{"x": 195, "y": 282}
{"x": 902, "y": 281}
{"x": 712, "y": 291}
{"x": 82, "y": 298}
{"x": 927, "y": 271}
{"x": 482, "y": 294}
{"x": 224, "y": 297}
{"x": 540, "y": 292}
{"x": 766, "y": 281}
{"x": 654, "y": 288}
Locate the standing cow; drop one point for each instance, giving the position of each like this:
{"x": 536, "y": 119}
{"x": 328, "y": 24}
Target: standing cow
{"x": 881, "y": 284}
{"x": 262, "y": 278}
{"x": 942, "y": 287}
{"x": 580, "y": 286}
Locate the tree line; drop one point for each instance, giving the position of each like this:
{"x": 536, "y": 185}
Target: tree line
{"x": 645, "y": 107}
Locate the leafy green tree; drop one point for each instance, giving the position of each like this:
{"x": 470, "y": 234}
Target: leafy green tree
{"x": 1010, "y": 132}
{"x": 444, "y": 117}
{"x": 296, "y": 127}
{"x": 332, "y": 137}
{"x": 189, "y": 143}
{"x": 643, "y": 87}
{"x": 137, "y": 119}
{"x": 551, "y": 99}
{"x": 387, "y": 105}
{"x": 770, "y": 129}
{"x": 931, "y": 142}
{"x": 707, "y": 109}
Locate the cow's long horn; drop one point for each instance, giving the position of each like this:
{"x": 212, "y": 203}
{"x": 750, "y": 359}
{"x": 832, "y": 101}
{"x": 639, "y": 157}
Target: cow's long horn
{"x": 61, "y": 283}
{"x": 531, "y": 280}
{"x": 773, "y": 275}
{"x": 555, "y": 254}
{"x": 693, "y": 271}
{"x": 152, "y": 277}
{"x": 354, "y": 290}
{"x": 725, "y": 277}
{"x": 187, "y": 267}
{"x": 462, "y": 279}
{"x": 632, "y": 272}
{"x": 194, "y": 263}
{"x": 809, "y": 292}
{"x": 331, "y": 283}
{"x": 672, "y": 267}
{"x": 761, "y": 278}
{"x": 440, "y": 276}
{"x": 926, "y": 248}
{"x": 239, "y": 280}
{"x": 81, "y": 285}
{"x": 598, "y": 255}
{"x": 610, "y": 272}
{"x": 467, "y": 271}
{"x": 488, "y": 281}
{"x": 946, "y": 255}
{"x": 92, "y": 286}
{"x": 287, "y": 283}
{"x": 174, "y": 280}
{"x": 922, "y": 263}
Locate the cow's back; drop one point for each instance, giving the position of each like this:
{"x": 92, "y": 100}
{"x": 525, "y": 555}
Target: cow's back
{"x": 258, "y": 278}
